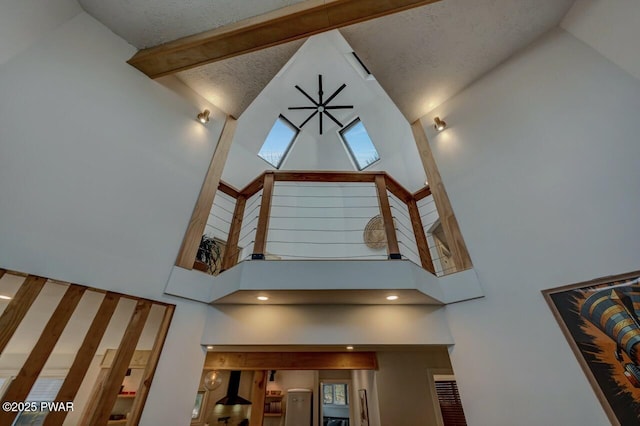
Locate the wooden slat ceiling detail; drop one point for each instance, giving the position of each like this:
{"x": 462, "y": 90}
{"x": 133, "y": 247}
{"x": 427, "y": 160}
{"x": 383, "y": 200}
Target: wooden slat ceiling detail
{"x": 274, "y": 28}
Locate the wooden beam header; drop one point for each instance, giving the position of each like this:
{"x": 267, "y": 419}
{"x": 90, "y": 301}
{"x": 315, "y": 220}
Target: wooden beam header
{"x": 271, "y": 29}
{"x": 291, "y": 361}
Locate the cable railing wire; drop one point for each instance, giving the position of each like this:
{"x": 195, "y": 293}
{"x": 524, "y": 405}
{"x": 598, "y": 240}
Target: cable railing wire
{"x": 330, "y": 257}
{"x": 314, "y": 242}
{"x": 323, "y": 196}
{"x": 222, "y": 231}
{"x": 401, "y": 212}
{"x": 249, "y": 212}
{"x": 397, "y": 222}
{"x": 407, "y": 247}
{"x": 215, "y": 205}
{"x": 325, "y": 207}
{"x": 246, "y": 235}
{"x": 220, "y": 218}
{"x": 315, "y": 230}
{"x": 320, "y": 217}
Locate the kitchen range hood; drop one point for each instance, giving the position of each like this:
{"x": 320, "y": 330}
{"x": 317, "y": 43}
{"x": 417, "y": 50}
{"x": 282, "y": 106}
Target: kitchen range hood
{"x": 232, "y": 397}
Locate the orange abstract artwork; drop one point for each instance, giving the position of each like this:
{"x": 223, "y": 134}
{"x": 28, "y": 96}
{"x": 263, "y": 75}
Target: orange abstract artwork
{"x": 601, "y": 322}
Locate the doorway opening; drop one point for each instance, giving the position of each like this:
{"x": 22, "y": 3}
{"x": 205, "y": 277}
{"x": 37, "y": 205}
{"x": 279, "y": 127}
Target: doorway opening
{"x": 320, "y": 385}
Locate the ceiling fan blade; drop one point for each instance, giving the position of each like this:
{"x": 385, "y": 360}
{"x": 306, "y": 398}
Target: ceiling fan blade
{"x": 307, "y": 95}
{"x": 320, "y": 92}
{"x": 334, "y": 94}
{"x": 307, "y": 107}
{"x": 338, "y": 107}
{"x": 335, "y": 120}
{"x": 320, "y": 123}
{"x": 308, "y": 118}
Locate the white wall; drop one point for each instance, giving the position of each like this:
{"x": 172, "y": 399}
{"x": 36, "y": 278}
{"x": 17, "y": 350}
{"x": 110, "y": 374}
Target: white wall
{"x": 612, "y": 27}
{"x": 402, "y": 381}
{"x": 540, "y": 164}
{"x": 23, "y": 22}
{"x": 365, "y": 379}
{"x": 326, "y": 325}
{"x": 100, "y": 168}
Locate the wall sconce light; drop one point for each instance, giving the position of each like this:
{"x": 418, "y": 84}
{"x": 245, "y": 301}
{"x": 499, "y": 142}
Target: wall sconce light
{"x": 272, "y": 376}
{"x": 203, "y": 117}
{"x": 440, "y": 124}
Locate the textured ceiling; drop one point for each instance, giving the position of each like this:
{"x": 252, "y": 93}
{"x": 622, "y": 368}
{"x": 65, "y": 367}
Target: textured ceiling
{"x": 147, "y": 23}
{"x": 423, "y": 56}
{"x": 234, "y": 83}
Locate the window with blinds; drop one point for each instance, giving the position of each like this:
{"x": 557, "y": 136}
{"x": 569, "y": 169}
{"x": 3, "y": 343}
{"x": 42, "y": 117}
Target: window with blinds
{"x": 450, "y": 403}
{"x": 44, "y": 389}
{"x": 3, "y": 381}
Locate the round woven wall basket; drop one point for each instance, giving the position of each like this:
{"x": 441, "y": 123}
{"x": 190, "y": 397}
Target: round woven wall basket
{"x": 374, "y": 235}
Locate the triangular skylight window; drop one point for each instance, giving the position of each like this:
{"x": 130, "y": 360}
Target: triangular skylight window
{"x": 359, "y": 144}
{"x": 278, "y": 142}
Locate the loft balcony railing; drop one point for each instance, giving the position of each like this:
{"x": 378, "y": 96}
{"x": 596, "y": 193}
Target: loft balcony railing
{"x": 292, "y": 215}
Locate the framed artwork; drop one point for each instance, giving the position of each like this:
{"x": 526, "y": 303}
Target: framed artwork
{"x": 600, "y": 320}
{"x": 364, "y": 408}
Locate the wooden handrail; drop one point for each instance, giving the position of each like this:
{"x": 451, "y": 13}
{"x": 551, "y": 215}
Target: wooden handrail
{"x": 422, "y": 193}
{"x": 253, "y": 187}
{"x": 384, "y": 184}
{"x": 324, "y": 176}
{"x": 396, "y": 189}
{"x": 228, "y": 189}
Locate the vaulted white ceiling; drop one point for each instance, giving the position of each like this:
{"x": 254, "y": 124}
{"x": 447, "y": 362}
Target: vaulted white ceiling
{"x": 327, "y": 54}
{"x": 421, "y": 57}
{"x": 147, "y": 23}
{"x": 424, "y": 56}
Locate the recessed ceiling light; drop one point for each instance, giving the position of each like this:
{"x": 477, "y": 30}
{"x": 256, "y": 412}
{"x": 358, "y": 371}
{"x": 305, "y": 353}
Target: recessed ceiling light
{"x": 349, "y": 348}
{"x": 263, "y": 298}
{"x": 392, "y": 297}
{"x": 209, "y": 348}
{"x": 3, "y": 297}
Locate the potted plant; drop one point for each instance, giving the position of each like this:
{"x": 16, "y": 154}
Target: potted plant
{"x": 209, "y": 254}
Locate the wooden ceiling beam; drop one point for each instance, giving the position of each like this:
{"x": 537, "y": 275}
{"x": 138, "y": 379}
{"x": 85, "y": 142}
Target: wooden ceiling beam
{"x": 291, "y": 361}
{"x": 271, "y": 29}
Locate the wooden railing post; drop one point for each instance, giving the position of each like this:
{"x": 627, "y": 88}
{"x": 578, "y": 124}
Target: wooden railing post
{"x": 195, "y": 230}
{"x": 231, "y": 252}
{"x": 448, "y": 220}
{"x": 421, "y": 238}
{"x": 258, "y": 396}
{"x": 393, "y": 250}
{"x": 260, "y": 245}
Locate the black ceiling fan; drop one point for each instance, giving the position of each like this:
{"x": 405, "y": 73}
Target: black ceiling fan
{"x": 321, "y": 106}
